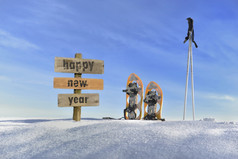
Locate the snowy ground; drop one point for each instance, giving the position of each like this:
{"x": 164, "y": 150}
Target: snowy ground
{"x": 108, "y": 139}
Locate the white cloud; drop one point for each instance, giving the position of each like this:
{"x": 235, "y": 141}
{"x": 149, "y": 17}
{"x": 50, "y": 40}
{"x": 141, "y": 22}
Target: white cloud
{"x": 218, "y": 96}
{"x": 8, "y": 40}
{"x": 4, "y": 78}
{"x": 221, "y": 97}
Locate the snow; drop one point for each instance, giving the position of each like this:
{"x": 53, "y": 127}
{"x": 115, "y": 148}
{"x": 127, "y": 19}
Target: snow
{"x": 122, "y": 139}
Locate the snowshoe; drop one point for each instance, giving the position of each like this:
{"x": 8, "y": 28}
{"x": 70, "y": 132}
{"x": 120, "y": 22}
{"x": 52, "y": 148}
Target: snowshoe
{"x": 153, "y": 96}
{"x": 134, "y": 90}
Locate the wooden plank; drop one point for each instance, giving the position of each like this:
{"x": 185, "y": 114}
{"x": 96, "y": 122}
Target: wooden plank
{"x": 78, "y": 83}
{"x": 77, "y": 65}
{"x": 74, "y": 100}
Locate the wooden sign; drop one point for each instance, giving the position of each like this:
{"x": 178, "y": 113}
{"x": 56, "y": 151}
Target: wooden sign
{"x": 78, "y": 66}
{"x": 74, "y": 65}
{"x": 78, "y": 83}
{"x": 74, "y": 100}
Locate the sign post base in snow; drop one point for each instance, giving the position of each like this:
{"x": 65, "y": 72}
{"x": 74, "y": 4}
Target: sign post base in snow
{"x": 78, "y": 66}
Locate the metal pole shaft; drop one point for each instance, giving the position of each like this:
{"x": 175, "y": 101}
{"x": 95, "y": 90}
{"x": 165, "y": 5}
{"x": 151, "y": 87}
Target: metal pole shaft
{"x": 186, "y": 86}
{"x": 191, "y": 62}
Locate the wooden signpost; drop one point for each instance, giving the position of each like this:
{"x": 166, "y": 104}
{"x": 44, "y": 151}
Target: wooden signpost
{"x": 78, "y": 66}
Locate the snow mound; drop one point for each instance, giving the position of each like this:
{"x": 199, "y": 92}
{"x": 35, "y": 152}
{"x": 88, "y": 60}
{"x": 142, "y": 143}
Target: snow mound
{"x": 209, "y": 119}
{"x": 117, "y": 139}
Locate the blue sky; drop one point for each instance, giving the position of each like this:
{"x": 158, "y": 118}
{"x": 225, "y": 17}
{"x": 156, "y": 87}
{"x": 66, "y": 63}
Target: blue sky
{"x": 136, "y": 36}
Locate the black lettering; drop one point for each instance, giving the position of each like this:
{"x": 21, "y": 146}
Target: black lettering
{"x": 91, "y": 65}
{"x": 81, "y": 99}
{"x": 70, "y": 100}
{"x": 70, "y": 83}
{"x": 76, "y": 100}
{"x": 76, "y": 83}
{"x": 72, "y": 65}
{"x": 83, "y": 83}
{"x": 78, "y": 66}
{"x": 65, "y": 64}
{"x": 86, "y": 99}
{"x": 85, "y": 65}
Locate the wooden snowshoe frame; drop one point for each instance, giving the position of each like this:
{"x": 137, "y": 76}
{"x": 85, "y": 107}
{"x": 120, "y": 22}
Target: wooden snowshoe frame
{"x": 134, "y": 78}
{"x": 154, "y": 86}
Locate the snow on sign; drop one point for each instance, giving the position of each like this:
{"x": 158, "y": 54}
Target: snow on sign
{"x": 74, "y": 65}
{"x": 78, "y": 66}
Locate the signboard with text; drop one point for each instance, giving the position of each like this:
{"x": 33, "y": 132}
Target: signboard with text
{"x": 78, "y": 66}
{"x": 72, "y": 100}
{"x": 74, "y": 65}
{"x": 78, "y": 83}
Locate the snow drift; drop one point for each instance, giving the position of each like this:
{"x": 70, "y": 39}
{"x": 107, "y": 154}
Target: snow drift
{"x": 109, "y": 139}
